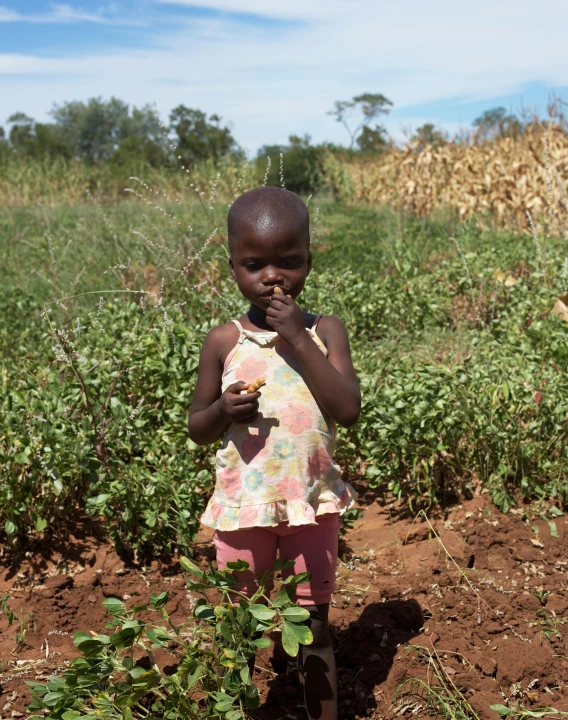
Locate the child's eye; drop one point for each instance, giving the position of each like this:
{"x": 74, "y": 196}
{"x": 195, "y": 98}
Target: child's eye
{"x": 252, "y": 267}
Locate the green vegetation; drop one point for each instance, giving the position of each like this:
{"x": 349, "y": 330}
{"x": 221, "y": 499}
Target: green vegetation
{"x": 97, "y": 145}
{"x": 120, "y": 676}
{"x": 462, "y": 364}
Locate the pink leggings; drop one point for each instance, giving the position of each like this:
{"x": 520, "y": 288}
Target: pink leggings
{"x": 312, "y": 547}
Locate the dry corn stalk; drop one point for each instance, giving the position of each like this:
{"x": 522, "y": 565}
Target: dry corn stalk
{"x": 256, "y": 384}
{"x": 503, "y": 178}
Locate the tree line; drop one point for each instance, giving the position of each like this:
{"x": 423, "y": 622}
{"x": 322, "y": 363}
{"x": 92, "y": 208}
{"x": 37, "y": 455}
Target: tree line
{"x": 125, "y": 137}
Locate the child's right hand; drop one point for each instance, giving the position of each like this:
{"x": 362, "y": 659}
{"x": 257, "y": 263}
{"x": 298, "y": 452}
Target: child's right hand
{"x": 238, "y": 407}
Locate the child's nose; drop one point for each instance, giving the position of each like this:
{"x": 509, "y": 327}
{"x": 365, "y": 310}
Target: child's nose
{"x": 272, "y": 275}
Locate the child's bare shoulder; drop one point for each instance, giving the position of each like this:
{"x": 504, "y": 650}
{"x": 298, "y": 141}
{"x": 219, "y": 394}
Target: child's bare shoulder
{"x": 333, "y": 334}
{"x": 330, "y": 326}
{"x": 220, "y": 340}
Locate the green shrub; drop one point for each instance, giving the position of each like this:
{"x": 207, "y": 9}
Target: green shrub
{"x": 118, "y": 675}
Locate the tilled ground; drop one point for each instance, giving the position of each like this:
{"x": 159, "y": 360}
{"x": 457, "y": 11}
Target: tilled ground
{"x": 472, "y": 603}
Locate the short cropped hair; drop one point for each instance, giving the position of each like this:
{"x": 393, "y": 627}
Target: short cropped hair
{"x": 274, "y": 205}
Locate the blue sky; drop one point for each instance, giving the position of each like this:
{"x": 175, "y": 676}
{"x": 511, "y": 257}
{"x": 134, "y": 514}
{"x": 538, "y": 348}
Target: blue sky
{"x": 274, "y": 68}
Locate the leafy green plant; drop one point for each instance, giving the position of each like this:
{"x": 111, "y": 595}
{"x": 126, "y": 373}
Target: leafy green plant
{"x": 348, "y": 520}
{"x": 463, "y": 377}
{"x": 519, "y": 712}
{"x": 119, "y": 675}
{"x": 5, "y": 609}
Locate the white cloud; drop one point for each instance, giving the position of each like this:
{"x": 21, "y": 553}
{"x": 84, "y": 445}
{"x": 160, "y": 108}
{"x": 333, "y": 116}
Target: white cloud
{"x": 8, "y": 15}
{"x": 292, "y": 9}
{"x": 61, "y": 14}
{"x": 271, "y": 83}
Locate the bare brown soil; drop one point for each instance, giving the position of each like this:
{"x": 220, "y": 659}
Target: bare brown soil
{"x": 478, "y": 578}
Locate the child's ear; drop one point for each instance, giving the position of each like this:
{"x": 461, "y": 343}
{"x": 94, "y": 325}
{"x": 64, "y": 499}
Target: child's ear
{"x": 232, "y": 268}
{"x": 309, "y": 261}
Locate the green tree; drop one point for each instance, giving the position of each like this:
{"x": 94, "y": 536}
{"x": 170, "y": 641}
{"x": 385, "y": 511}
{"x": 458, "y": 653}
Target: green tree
{"x": 91, "y": 129}
{"x": 356, "y": 114}
{"x": 95, "y": 130}
{"x": 135, "y": 150}
{"x": 30, "y": 139}
{"x": 198, "y": 137}
{"x": 302, "y": 163}
{"x": 373, "y": 140}
{"x": 427, "y": 134}
{"x": 3, "y": 144}
{"x": 21, "y": 132}
{"x": 496, "y": 123}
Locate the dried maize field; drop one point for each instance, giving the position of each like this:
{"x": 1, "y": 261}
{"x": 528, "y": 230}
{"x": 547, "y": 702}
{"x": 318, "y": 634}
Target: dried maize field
{"x": 499, "y": 180}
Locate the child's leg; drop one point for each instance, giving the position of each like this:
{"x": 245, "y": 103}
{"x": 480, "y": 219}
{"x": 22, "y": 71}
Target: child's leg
{"x": 314, "y": 549}
{"x": 257, "y": 546}
{"x": 316, "y": 663}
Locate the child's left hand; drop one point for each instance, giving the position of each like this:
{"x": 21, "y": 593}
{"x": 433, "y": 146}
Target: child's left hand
{"x": 286, "y": 317}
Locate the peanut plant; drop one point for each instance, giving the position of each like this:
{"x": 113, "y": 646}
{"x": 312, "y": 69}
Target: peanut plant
{"x": 120, "y": 676}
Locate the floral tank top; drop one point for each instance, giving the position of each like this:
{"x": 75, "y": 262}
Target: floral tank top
{"x": 279, "y": 468}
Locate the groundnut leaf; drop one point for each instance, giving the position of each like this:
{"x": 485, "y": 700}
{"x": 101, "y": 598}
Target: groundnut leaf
{"x": 114, "y": 606}
{"x": 194, "y": 677}
{"x": 238, "y": 565}
{"x": 289, "y": 640}
{"x": 159, "y": 600}
{"x": 302, "y": 633}
{"x": 300, "y": 578}
{"x": 295, "y": 614}
{"x": 223, "y": 706}
{"x": 51, "y": 698}
{"x": 501, "y": 709}
{"x": 261, "y": 612}
{"x": 234, "y": 715}
{"x": 205, "y": 612}
{"x": 190, "y": 567}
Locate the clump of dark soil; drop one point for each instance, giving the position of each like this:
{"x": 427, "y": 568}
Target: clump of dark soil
{"x": 472, "y": 594}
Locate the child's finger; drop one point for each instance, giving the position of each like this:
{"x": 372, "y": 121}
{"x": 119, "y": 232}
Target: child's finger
{"x": 245, "y": 398}
{"x": 246, "y": 412}
{"x": 284, "y": 299}
{"x": 236, "y": 387}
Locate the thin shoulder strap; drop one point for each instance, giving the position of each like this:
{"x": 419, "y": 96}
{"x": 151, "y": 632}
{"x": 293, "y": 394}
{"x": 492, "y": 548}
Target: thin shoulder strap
{"x": 315, "y": 323}
{"x": 237, "y": 345}
{"x": 316, "y": 337}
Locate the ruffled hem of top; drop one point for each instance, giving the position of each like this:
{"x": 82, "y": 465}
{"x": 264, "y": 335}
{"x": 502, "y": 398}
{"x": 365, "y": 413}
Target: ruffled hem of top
{"x": 295, "y": 512}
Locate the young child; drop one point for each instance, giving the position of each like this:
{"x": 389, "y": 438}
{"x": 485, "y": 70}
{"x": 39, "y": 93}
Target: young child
{"x": 277, "y": 486}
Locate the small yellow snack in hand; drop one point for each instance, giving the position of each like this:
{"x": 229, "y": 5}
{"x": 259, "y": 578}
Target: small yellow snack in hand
{"x": 254, "y": 386}
{"x": 278, "y": 291}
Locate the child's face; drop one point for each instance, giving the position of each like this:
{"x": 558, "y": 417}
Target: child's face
{"x": 263, "y": 257}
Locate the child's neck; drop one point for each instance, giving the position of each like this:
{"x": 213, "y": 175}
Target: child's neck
{"x": 257, "y": 318}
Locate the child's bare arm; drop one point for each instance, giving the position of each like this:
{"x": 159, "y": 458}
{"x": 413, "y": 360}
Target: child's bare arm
{"x": 332, "y": 379}
{"x": 211, "y": 411}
